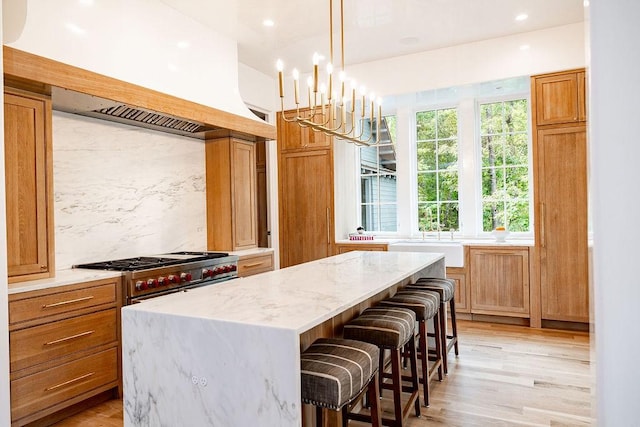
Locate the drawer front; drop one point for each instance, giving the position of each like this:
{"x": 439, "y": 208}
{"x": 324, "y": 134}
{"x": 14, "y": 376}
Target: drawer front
{"x": 255, "y": 265}
{"x": 47, "y": 342}
{"x": 47, "y": 388}
{"x": 62, "y": 302}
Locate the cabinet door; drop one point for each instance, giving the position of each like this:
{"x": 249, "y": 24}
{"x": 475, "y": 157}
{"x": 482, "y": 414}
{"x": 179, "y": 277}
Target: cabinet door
{"x": 243, "y": 172}
{"x": 499, "y": 281}
{"x": 461, "y": 290}
{"x": 582, "y": 96}
{"x": 557, "y": 99}
{"x": 25, "y": 142}
{"x": 291, "y": 136}
{"x": 306, "y": 206}
{"x": 561, "y": 235}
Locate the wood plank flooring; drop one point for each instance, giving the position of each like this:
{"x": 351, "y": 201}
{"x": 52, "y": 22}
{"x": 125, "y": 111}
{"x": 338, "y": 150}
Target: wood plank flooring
{"x": 505, "y": 376}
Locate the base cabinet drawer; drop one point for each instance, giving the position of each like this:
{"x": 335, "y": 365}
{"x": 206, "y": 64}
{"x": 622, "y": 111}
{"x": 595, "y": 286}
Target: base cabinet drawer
{"x": 52, "y": 386}
{"x": 254, "y": 265}
{"x": 45, "y": 343}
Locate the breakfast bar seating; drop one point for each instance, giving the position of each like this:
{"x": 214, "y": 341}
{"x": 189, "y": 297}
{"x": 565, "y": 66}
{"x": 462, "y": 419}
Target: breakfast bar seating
{"x": 335, "y": 373}
{"x": 446, "y": 289}
{"x": 425, "y": 306}
{"x": 390, "y": 328}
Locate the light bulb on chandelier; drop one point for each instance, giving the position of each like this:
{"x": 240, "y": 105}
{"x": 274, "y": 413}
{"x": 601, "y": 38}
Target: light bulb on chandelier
{"x": 330, "y": 112}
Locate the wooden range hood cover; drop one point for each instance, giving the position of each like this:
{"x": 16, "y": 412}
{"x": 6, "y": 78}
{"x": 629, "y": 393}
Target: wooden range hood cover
{"x": 87, "y": 93}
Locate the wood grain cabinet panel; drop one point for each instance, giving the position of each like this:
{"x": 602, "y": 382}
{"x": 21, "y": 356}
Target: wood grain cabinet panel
{"x": 561, "y": 194}
{"x": 342, "y": 248}
{"x": 254, "y": 264}
{"x": 293, "y": 137}
{"x": 499, "y": 281}
{"x": 231, "y": 194}
{"x": 28, "y": 182}
{"x": 560, "y": 98}
{"x": 458, "y": 275}
{"x": 64, "y": 346}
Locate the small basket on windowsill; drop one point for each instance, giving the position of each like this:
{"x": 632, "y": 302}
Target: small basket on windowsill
{"x": 358, "y": 236}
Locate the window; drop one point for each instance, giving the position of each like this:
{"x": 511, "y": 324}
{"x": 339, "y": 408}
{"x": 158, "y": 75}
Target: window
{"x": 378, "y": 198}
{"x": 505, "y": 165}
{"x": 437, "y": 169}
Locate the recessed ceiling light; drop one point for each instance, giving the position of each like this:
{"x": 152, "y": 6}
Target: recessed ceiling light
{"x": 183, "y": 44}
{"x": 524, "y": 47}
{"x": 586, "y": 3}
{"x": 268, "y": 23}
{"x": 522, "y": 17}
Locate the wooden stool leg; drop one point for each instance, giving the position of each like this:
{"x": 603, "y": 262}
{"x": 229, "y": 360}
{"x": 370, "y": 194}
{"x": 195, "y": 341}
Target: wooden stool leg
{"x": 373, "y": 393}
{"x": 318, "y": 416}
{"x": 454, "y": 325}
{"x": 414, "y": 373}
{"x": 424, "y": 359}
{"x": 437, "y": 336}
{"x": 443, "y": 334}
{"x": 397, "y": 386}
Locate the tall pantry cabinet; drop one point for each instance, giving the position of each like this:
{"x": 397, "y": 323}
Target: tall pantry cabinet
{"x": 305, "y": 192}
{"x": 560, "y": 194}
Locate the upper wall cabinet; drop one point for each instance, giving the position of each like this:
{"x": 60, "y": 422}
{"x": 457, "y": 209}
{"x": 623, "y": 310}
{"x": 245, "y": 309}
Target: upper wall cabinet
{"x": 29, "y": 190}
{"x": 293, "y": 137}
{"x": 560, "y": 98}
{"x": 231, "y": 194}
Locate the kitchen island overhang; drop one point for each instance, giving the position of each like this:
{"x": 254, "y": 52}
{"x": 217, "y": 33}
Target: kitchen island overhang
{"x": 229, "y": 354}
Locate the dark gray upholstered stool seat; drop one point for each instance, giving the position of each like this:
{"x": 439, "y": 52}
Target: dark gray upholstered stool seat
{"x": 336, "y": 372}
{"x": 426, "y": 307}
{"x": 446, "y": 289}
{"x": 390, "y": 328}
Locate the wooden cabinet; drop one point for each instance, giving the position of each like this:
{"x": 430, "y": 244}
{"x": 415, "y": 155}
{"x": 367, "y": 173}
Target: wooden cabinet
{"x": 231, "y": 194}
{"x": 341, "y": 248}
{"x": 562, "y": 230}
{"x": 462, "y": 290}
{"x": 28, "y": 181}
{"x": 499, "y": 279}
{"x": 560, "y": 196}
{"x": 261, "y": 194}
{"x": 559, "y": 97}
{"x": 63, "y": 347}
{"x": 305, "y": 189}
{"x": 249, "y": 265}
{"x": 292, "y": 136}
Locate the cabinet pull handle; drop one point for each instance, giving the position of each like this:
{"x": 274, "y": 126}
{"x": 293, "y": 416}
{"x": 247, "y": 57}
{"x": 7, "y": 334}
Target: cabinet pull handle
{"x": 328, "y": 226}
{"x": 542, "y": 219}
{"x": 255, "y": 264}
{"x": 80, "y": 378}
{"x": 71, "y": 301}
{"x": 72, "y": 337}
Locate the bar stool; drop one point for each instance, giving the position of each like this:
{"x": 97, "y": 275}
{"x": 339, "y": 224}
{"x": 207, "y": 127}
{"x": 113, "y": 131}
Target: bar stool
{"x": 446, "y": 289}
{"x": 425, "y": 305}
{"x": 390, "y": 328}
{"x": 335, "y": 373}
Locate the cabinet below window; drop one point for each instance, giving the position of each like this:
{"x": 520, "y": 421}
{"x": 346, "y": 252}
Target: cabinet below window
{"x": 348, "y": 247}
{"x": 499, "y": 281}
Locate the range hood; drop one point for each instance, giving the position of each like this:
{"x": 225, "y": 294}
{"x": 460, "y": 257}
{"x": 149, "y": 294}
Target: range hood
{"x": 92, "y": 106}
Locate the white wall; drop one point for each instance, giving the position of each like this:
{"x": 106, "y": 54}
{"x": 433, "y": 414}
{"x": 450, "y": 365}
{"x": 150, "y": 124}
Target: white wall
{"x": 615, "y": 150}
{"x": 145, "y": 42}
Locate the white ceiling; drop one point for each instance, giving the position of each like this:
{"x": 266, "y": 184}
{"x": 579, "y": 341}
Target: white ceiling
{"x": 374, "y": 29}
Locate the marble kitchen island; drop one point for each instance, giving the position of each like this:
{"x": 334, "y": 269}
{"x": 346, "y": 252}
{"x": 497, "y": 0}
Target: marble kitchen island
{"x": 228, "y": 354}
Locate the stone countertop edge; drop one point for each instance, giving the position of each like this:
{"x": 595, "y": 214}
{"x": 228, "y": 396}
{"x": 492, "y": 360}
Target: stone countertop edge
{"x": 70, "y": 276}
{"x": 287, "y": 299}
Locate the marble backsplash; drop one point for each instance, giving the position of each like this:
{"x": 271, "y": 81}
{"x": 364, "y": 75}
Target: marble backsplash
{"x": 122, "y": 191}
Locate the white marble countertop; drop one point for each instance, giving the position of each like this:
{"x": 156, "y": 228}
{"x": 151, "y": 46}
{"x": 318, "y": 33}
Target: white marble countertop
{"x": 444, "y": 241}
{"x": 62, "y": 278}
{"x": 296, "y": 298}
{"x": 251, "y": 252}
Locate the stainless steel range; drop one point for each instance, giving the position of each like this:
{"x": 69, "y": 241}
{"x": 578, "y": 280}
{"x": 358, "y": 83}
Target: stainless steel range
{"x": 147, "y": 277}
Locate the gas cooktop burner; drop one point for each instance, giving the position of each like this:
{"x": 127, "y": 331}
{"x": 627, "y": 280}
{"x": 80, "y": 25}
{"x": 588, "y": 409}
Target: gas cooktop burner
{"x": 142, "y": 263}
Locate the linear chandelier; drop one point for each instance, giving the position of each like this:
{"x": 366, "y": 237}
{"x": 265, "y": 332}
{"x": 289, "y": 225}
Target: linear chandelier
{"x": 330, "y": 112}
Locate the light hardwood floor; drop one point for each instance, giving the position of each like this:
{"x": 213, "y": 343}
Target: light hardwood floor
{"x": 505, "y": 376}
